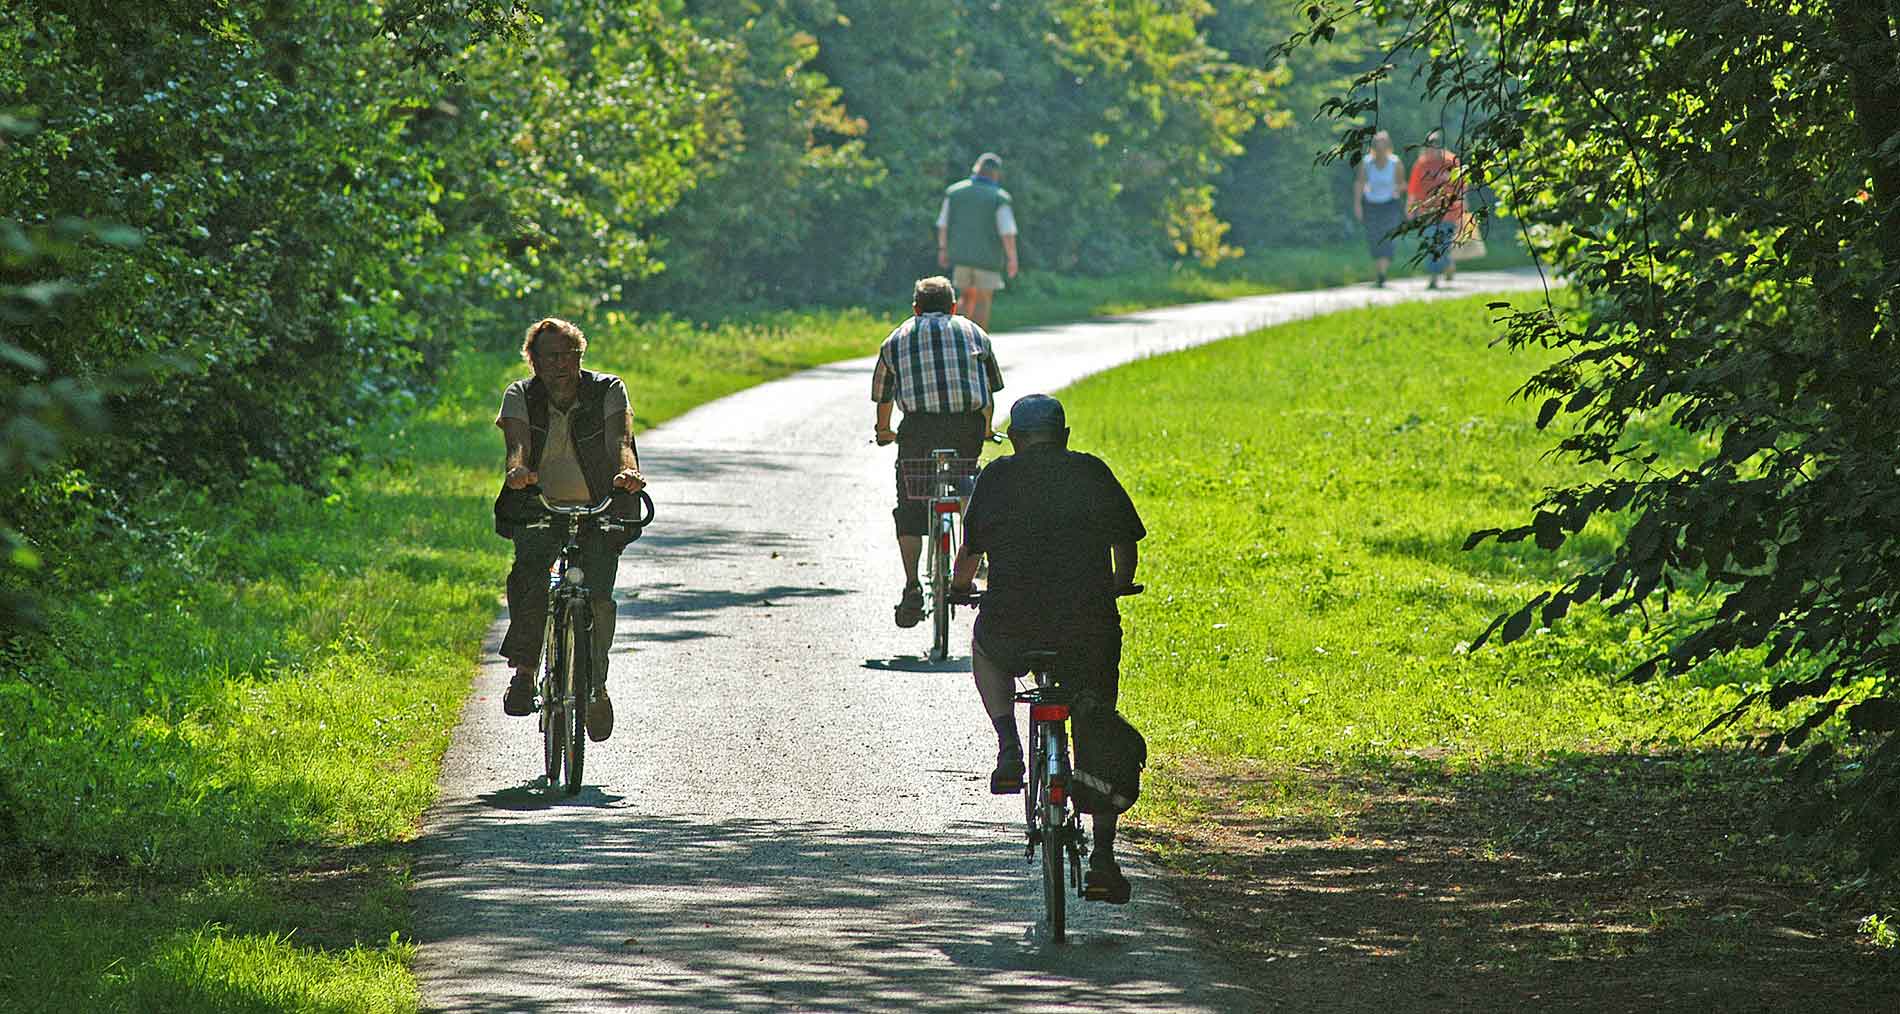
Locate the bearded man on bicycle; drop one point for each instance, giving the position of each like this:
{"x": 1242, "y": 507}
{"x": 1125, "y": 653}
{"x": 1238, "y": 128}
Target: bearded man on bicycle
{"x": 940, "y": 369}
{"x": 1060, "y": 534}
{"x": 570, "y": 431}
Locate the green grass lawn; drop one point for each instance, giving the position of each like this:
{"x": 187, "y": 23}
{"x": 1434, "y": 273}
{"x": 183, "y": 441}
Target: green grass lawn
{"x": 1308, "y": 489}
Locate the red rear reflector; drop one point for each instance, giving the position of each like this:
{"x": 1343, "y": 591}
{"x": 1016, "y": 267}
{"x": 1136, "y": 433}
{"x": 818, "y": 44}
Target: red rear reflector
{"x": 1058, "y": 792}
{"x": 1048, "y": 712}
{"x": 948, "y": 507}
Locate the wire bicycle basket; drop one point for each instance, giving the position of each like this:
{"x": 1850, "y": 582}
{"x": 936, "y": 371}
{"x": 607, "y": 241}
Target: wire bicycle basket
{"x": 923, "y": 477}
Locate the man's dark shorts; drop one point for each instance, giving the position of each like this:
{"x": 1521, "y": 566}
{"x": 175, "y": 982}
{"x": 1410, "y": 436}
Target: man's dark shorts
{"x": 1088, "y": 658}
{"x": 917, "y": 435}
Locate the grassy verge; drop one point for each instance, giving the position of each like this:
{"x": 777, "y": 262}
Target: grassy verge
{"x": 216, "y": 752}
{"x": 1367, "y": 814}
{"x": 1043, "y": 299}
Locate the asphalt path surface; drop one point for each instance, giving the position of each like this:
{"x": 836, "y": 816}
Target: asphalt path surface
{"x": 793, "y": 813}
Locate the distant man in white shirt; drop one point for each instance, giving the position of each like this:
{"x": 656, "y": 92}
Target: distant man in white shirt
{"x": 976, "y": 237}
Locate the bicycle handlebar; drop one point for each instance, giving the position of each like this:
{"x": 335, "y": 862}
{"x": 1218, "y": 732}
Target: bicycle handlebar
{"x": 994, "y": 438}
{"x": 646, "y": 506}
{"x": 974, "y": 597}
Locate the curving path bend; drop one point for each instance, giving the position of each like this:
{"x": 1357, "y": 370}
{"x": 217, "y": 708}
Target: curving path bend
{"x": 793, "y": 813}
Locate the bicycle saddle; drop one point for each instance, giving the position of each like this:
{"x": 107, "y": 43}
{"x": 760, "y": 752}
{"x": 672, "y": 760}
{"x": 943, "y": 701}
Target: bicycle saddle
{"x": 1039, "y": 661}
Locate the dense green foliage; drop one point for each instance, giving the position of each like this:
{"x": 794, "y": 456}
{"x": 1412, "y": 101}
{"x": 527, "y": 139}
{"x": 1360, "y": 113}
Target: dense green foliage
{"x": 1722, "y": 182}
{"x": 1277, "y": 193}
{"x": 1114, "y": 122}
{"x": 306, "y": 213}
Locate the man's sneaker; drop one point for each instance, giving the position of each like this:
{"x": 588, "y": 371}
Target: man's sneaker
{"x": 1104, "y": 882}
{"x": 600, "y": 715}
{"x": 910, "y": 611}
{"x": 1007, "y": 779}
{"x": 519, "y": 700}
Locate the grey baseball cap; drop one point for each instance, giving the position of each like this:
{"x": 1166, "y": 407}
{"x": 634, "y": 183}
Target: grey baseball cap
{"x": 1037, "y": 412}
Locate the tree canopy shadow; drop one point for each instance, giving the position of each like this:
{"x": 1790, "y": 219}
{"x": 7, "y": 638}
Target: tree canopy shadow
{"x": 739, "y": 914}
{"x": 1592, "y": 882}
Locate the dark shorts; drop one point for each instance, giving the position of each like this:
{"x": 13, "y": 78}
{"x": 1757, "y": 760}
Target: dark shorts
{"x": 1089, "y": 657}
{"x": 1381, "y": 218}
{"x": 918, "y": 435}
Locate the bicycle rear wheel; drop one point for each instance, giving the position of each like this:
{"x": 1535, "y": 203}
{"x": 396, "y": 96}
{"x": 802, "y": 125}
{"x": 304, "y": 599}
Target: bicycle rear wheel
{"x": 553, "y": 721}
{"x": 1053, "y": 857}
{"x": 575, "y": 688}
{"x": 1032, "y": 787}
{"x": 940, "y": 589}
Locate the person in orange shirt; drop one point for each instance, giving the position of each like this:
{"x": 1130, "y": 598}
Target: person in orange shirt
{"x": 1437, "y": 190}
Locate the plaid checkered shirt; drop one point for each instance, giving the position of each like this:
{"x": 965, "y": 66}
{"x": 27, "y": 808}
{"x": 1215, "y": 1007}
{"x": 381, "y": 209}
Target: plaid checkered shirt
{"x": 937, "y": 363}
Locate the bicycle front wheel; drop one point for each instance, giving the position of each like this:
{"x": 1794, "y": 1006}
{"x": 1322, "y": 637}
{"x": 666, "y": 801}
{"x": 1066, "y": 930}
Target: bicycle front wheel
{"x": 553, "y": 719}
{"x": 575, "y": 688}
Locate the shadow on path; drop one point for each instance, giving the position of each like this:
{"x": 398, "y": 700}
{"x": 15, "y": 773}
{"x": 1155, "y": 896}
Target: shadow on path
{"x": 744, "y": 915}
{"x": 920, "y": 663}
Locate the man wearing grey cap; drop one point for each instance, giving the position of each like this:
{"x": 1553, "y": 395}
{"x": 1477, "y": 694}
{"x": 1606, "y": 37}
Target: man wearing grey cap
{"x": 1060, "y": 533}
{"x": 976, "y": 237}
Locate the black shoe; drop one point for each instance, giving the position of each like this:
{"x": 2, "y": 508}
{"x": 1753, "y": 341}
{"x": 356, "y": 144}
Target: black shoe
{"x": 910, "y": 610}
{"x": 519, "y": 700}
{"x": 600, "y": 715}
{"x": 1007, "y": 779}
{"x": 1433, "y": 284}
{"x": 1104, "y": 882}
{"x": 1379, "y": 283}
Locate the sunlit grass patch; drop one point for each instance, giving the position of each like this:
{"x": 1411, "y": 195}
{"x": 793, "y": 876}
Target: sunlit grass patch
{"x": 1307, "y": 490}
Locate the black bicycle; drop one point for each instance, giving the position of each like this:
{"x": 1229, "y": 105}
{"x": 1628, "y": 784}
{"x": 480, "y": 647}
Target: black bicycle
{"x": 568, "y": 645}
{"x": 1053, "y": 825}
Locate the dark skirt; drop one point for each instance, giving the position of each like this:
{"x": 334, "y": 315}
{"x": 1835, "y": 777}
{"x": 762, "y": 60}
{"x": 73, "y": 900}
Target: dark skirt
{"x": 1382, "y": 217}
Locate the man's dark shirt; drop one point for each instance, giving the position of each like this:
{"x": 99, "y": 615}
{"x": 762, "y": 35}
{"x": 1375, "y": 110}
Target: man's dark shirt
{"x": 1047, "y": 517}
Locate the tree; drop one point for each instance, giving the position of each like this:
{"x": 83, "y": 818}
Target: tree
{"x": 1114, "y": 122}
{"x": 1721, "y": 184}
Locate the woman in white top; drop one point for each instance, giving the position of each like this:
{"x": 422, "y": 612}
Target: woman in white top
{"x": 1379, "y": 201}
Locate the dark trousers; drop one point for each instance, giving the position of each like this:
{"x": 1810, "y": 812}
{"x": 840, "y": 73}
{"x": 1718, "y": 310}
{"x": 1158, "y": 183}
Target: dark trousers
{"x": 1089, "y": 653}
{"x": 917, "y": 435}
{"x": 535, "y": 550}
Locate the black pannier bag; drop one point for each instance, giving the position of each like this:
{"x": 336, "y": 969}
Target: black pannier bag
{"x": 1109, "y": 756}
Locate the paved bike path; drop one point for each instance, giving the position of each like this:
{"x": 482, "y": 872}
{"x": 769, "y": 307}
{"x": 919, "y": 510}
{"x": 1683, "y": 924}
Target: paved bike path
{"x": 793, "y": 812}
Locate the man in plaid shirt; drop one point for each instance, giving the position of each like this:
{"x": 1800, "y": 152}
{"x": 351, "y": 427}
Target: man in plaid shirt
{"x": 939, "y": 368}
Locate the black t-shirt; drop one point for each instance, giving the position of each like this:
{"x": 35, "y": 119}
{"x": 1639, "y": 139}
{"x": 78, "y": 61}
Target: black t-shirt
{"x": 1047, "y": 517}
